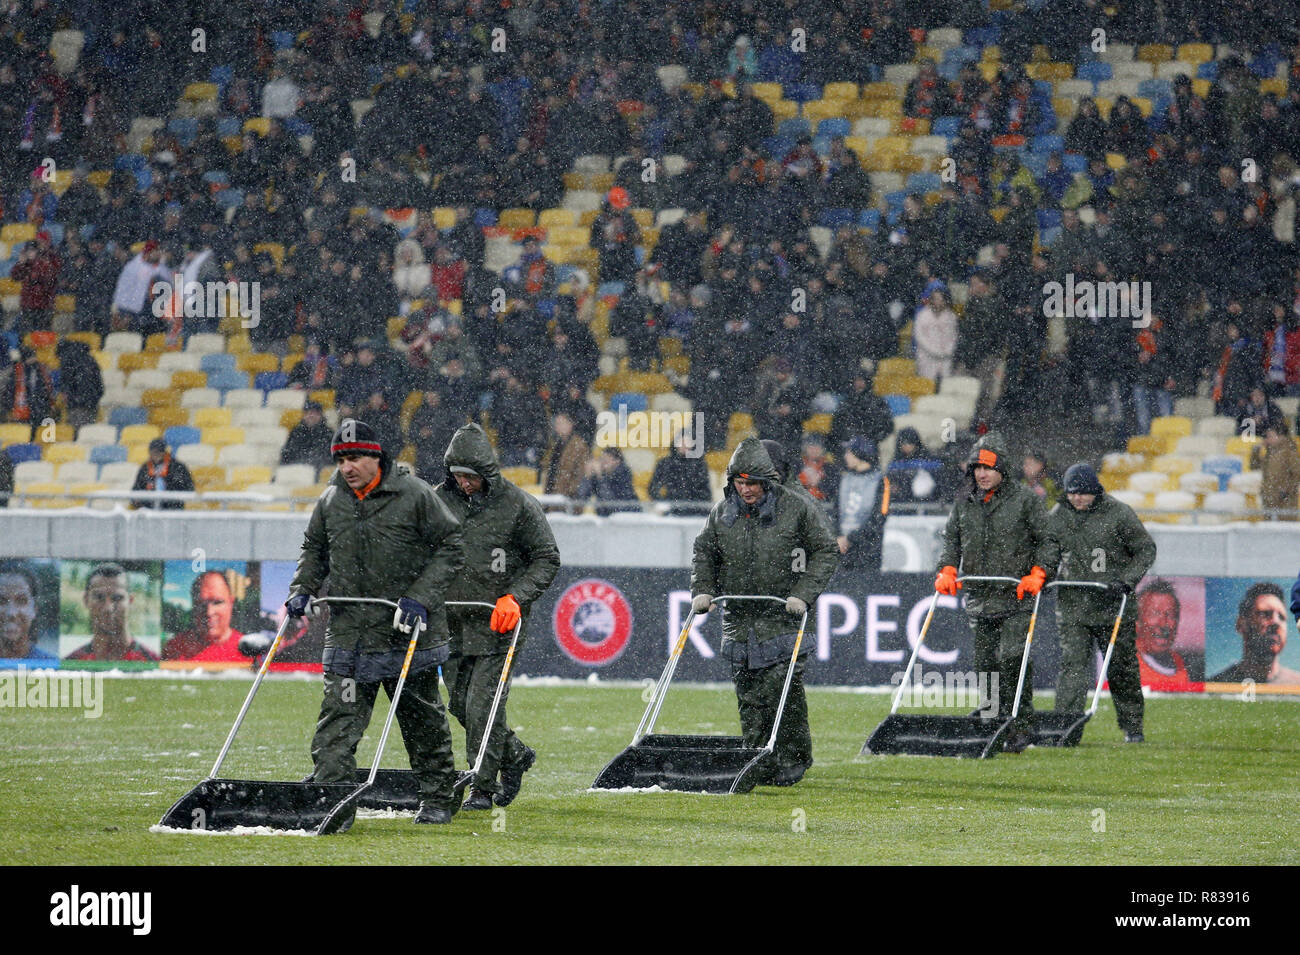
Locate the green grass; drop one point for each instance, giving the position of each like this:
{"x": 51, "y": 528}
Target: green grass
{"x": 1216, "y": 783}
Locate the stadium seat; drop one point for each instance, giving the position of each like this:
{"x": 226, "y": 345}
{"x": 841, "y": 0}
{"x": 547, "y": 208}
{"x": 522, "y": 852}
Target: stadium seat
{"x": 201, "y": 398}
{"x": 205, "y": 343}
{"x": 285, "y": 398}
{"x": 178, "y": 361}
{"x": 1198, "y": 482}
{"x": 228, "y": 380}
{"x": 211, "y": 417}
{"x": 168, "y": 416}
{"x": 197, "y": 455}
{"x": 118, "y": 474}
{"x": 77, "y": 472}
{"x": 255, "y": 417}
{"x": 243, "y": 397}
{"x": 105, "y": 454}
{"x": 1148, "y": 482}
{"x": 28, "y": 472}
{"x": 180, "y": 435}
{"x": 138, "y": 434}
{"x": 223, "y": 435}
{"x": 97, "y": 434}
{"x": 1171, "y": 425}
{"x": 119, "y": 342}
{"x": 61, "y": 453}
{"x": 293, "y": 475}
{"x": 238, "y": 455}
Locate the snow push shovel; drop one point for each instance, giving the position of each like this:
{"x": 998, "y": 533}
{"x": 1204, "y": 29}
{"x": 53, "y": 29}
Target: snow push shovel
{"x": 320, "y": 809}
{"x": 1057, "y": 728}
{"x": 698, "y": 764}
{"x": 398, "y": 788}
{"x": 915, "y": 734}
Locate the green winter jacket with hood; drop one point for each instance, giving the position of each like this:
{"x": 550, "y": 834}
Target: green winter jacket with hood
{"x": 1002, "y": 534}
{"x": 781, "y": 547}
{"x": 1104, "y": 543}
{"x": 509, "y": 547}
{"x": 400, "y": 541}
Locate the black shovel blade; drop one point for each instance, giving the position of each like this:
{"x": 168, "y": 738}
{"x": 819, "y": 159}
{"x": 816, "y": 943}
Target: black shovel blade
{"x": 224, "y": 804}
{"x": 693, "y": 764}
{"x": 393, "y": 789}
{"x": 1058, "y": 729}
{"x": 909, "y": 734}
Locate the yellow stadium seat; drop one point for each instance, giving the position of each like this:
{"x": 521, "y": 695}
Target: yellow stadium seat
{"x": 883, "y": 109}
{"x": 16, "y": 232}
{"x": 61, "y": 453}
{"x": 1154, "y": 53}
{"x": 15, "y": 433}
{"x": 211, "y": 417}
{"x": 165, "y": 416}
{"x": 989, "y": 70}
{"x": 208, "y": 477}
{"x": 1175, "y": 426}
{"x": 159, "y": 398}
{"x": 323, "y": 396}
{"x": 444, "y": 217}
{"x": 189, "y": 379}
{"x": 820, "y": 423}
{"x": 1196, "y": 52}
{"x": 136, "y": 361}
{"x": 65, "y": 303}
{"x": 138, "y": 434}
{"x": 257, "y": 124}
{"x": 1201, "y": 87}
{"x": 89, "y": 338}
{"x": 249, "y": 474}
{"x": 395, "y": 326}
{"x": 840, "y": 91}
{"x": 925, "y": 52}
{"x": 223, "y": 435}
{"x": 156, "y": 342}
{"x": 569, "y": 235}
{"x": 896, "y": 367}
{"x": 290, "y": 417}
{"x": 1240, "y": 447}
{"x": 200, "y": 92}
{"x": 517, "y": 219}
{"x": 238, "y": 344}
{"x": 551, "y": 218}
{"x": 257, "y": 362}
{"x": 1148, "y": 444}
{"x": 138, "y": 452}
{"x": 1273, "y": 85}
{"x": 274, "y": 249}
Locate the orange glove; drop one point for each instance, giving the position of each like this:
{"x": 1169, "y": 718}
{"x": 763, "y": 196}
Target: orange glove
{"x": 506, "y": 614}
{"x": 1031, "y": 583}
{"x": 946, "y": 582}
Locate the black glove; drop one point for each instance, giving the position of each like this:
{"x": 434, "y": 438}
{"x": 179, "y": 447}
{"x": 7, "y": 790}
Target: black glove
{"x": 298, "y": 604}
{"x": 1118, "y": 588}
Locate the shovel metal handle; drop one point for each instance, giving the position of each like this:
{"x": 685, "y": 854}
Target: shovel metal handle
{"x": 646, "y": 726}
{"x": 496, "y": 700}
{"x": 907, "y": 674}
{"x": 248, "y": 700}
{"x": 1024, "y": 657}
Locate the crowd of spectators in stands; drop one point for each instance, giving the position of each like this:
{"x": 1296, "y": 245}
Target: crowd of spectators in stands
{"x": 1218, "y": 248}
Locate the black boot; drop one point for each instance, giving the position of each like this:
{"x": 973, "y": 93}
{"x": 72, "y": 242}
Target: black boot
{"x": 478, "y": 800}
{"x": 512, "y": 778}
{"x": 430, "y": 816}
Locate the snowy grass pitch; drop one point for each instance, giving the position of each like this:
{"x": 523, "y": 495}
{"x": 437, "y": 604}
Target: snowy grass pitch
{"x": 1216, "y": 783}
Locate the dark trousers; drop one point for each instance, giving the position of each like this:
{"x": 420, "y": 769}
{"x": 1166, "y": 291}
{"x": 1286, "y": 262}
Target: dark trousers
{"x": 758, "y": 693}
{"x": 471, "y": 685}
{"x": 1078, "y": 646}
{"x": 345, "y": 714}
{"x": 999, "y": 646}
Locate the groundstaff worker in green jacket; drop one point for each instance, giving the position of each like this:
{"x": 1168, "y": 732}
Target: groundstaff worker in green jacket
{"x": 510, "y": 560}
{"x": 998, "y": 529}
{"x": 1101, "y": 540}
{"x": 381, "y": 532}
{"x": 764, "y": 539}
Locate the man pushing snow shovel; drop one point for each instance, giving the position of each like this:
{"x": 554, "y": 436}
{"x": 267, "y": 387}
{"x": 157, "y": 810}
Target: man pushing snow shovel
{"x": 764, "y": 539}
{"x": 380, "y": 532}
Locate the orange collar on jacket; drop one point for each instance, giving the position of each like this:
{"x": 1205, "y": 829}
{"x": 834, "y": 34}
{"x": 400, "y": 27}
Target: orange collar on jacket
{"x": 374, "y": 483}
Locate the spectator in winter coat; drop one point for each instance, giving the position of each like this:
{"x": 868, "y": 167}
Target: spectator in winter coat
{"x": 861, "y": 414}
{"x": 781, "y": 404}
{"x": 817, "y": 472}
{"x": 1280, "y": 461}
{"x": 1282, "y": 351}
{"x": 410, "y": 271}
{"x": 914, "y": 470}
{"x": 861, "y": 507}
{"x": 80, "y": 380}
{"x": 309, "y": 440}
{"x": 37, "y": 269}
{"x": 615, "y": 236}
{"x": 133, "y": 295}
{"x": 935, "y": 334}
{"x": 1256, "y": 414}
{"x": 162, "y": 472}
{"x": 520, "y": 421}
{"x": 25, "y": 392}
{"x": 681, "y": 476}
{"x": 569, "y": 456}
{"x": 609, "y": 479}
{"x": 430, "y": 432}
{"x": 1034, "y": 474}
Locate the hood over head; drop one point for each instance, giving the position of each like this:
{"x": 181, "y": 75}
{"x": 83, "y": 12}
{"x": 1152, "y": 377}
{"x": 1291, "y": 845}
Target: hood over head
{"x": 470, "y": 450}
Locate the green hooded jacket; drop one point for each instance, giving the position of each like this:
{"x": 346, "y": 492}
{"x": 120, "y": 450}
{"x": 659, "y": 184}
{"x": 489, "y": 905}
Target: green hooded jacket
{"x": 509, "y": 547}
{"x": 1104, "y": 543}
{"x": 782, "y": 547}
{"x": 400, "y": 541}
{"x": 1005, "y": 535}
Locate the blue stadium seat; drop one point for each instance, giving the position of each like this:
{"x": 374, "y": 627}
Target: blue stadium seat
{"x": 229, "y": 198}
{"x": 1208, "y": 70}
{"x": 184, "y": 128}
{"x": 221, "y": 75}
{"x": 1036, "y": 163}
{"x": 1047, "y": 143}
{"x": 1049, "y": 218}
{"x": 1075, "y": 162}
{"x": 1223, "y": 467}
{"x": 107, "y": 454}
{"x": 121, "y": 417}
{"x": 1047, "y": 237}
{"x": 835, "y": 126}
{"x": 564, "y": 273}
{"x": 283, "y": 39}
{"x": 1264, "y": 66}
{"x": 180, "y": 434}
{"x": 777, "y": 146}
{"x": 946, "y": 126}
{"x": 899, "y": 404}
{"x": 821, "y": 145}
{"x": 895, "y": 200}
{"x": 1095, "y": 72}
{"x": 485, "y": 218}
{"x": 1155, "y": 89}
{"x": 834, "y": 218}
{"x": 297, "y": 127}
{"x": 270, "y": 380}
{"x": 919, "y": 183}
{"x": 981, "y": 36}
{"x": 802, "y": 92}
{"x": 632, "y": 400}
{"x": 18, "y": 453}
{"x": 610, "y": 288}
{"x": 227, "y": 379}
{"x": 950, "y": 70}
{"x": 229, "y": 125}
{"x": 869, "y": 219}
{"x": 219, "y": 176}
{"x": 218, "y": 362}
{"x": 794, "y": 128}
